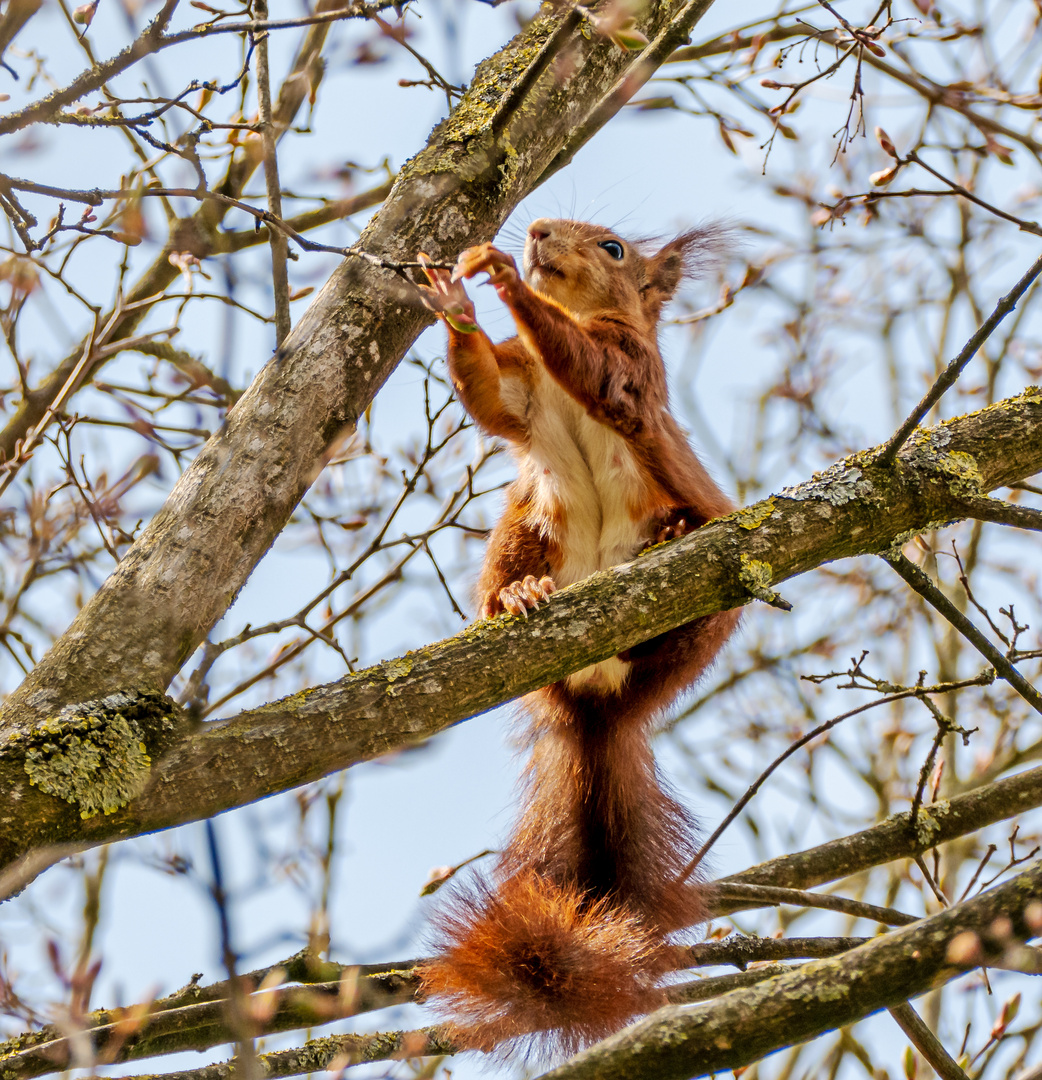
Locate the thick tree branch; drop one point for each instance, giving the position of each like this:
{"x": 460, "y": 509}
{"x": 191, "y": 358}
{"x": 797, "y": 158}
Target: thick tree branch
{"x": 853, "y": 508}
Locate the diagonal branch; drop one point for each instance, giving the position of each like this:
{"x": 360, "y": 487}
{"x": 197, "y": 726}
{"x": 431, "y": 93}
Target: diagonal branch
{"x": 926, "y": 1042}
{"x": 852, "y": 508}
{"x": 746, "y": 1025}
{"x": 922, "y": 584}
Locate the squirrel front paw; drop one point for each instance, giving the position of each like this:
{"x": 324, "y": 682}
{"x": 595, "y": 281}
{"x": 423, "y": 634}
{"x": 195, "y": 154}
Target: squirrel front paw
{"x": 447, "y": 298}
{"x": 486, "y": 258}
{"x": 519, "y": 597}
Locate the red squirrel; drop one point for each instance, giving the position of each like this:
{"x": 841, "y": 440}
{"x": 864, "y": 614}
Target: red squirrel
{"x": 568, "y": 940}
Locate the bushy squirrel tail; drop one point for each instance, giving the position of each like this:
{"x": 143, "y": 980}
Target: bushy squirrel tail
{"x": 568, "y": 940}
{"x": 538, "y": 962}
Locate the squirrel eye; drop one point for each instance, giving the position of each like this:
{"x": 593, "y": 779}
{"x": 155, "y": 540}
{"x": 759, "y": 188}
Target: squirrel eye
{"x": 613, "y": 248}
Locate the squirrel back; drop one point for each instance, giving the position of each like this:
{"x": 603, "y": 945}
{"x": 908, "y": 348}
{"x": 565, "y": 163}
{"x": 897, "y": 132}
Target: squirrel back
{"x": 569, "y": 938}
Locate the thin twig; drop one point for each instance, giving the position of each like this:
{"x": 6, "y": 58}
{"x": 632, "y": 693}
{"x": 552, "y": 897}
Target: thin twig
{"x": 929, "y": 592}
{"x": 739, "y": 806}
{"x": 948, "y": 377}
{"x": 276, "y": 237}
{"x": 924, "y": 1040}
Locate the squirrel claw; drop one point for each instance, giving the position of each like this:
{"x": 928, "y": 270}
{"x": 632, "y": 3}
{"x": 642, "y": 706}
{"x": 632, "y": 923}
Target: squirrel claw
{"x": 500, "y": 267}
{"x": 670, "y": 529}
{"x": 673, "y": 530}
{"x": 519, "y": 597}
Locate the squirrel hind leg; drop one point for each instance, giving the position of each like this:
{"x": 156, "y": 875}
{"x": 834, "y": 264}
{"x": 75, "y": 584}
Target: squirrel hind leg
{"x": 535, "y": 966}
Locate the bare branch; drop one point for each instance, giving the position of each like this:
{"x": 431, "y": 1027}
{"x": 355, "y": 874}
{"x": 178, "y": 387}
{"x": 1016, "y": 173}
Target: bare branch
{"x": 924, "y": 1040}
{"x": 279, "y": 247}
{"x": 929, "y": 592}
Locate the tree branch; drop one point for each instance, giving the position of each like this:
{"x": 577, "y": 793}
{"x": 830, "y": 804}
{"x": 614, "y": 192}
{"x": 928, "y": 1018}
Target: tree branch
{"x": 746, "y": 1025}
{"x": 852, "y": 508}
{"x": 926, "y": 1042}
{"x": 922, "y": 584}
{"x": 194, "y": 1017}
{"x": 731, "y": 896}
{"x": 277, "y": 238}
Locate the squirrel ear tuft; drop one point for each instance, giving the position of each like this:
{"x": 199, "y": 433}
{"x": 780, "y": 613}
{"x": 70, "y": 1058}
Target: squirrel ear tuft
{"x": 691, "y": 254}
{"x": 665, "y": 270}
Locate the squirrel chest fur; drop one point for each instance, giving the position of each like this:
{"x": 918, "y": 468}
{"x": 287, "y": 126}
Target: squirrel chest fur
{"x": 570, "y": 936}
{"x": 583, "y": 491}
{"x": 589, "y": 497}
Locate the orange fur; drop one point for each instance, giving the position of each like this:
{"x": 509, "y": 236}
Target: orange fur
{"x": 530, "y": 957}
{"x": 570, "y": 938}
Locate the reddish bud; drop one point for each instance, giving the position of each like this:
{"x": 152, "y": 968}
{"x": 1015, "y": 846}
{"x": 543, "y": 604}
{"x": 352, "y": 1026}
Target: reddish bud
{"x": 886, "y": 142}
{"x": 84, "y": 14}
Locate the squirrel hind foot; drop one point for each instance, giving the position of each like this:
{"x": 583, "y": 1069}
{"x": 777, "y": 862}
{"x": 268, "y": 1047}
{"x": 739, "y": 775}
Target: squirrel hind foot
{"x": 532, "y": 966}
{"x": 520, "y": 597}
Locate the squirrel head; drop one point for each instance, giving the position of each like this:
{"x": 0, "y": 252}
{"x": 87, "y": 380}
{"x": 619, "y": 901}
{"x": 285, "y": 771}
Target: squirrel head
{"x": 589, "y": 269}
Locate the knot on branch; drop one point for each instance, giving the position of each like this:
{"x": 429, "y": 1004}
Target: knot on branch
{"x": 756, "y": 576}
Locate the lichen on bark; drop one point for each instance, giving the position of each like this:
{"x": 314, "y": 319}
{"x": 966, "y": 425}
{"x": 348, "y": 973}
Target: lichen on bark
{"x": 837, "y": 485}
{"x": 95, "y": 754}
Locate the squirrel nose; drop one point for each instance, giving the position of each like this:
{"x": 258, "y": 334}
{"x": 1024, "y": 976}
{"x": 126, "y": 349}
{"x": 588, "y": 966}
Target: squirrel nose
{"x": 539, "y": 229}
